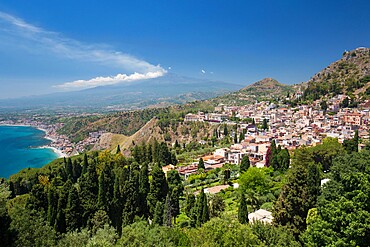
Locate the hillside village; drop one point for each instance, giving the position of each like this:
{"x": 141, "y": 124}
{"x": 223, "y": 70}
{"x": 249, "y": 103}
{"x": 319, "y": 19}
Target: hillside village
{"x": 289, "y": 127}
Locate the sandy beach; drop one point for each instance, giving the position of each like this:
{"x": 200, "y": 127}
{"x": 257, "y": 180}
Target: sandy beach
{"x": 58, "y": 152}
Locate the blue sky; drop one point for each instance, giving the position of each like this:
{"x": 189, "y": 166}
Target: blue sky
{"x": 48, "y": 46}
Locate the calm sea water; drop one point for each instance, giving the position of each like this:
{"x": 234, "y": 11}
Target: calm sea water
{"x": 18, "y": 149}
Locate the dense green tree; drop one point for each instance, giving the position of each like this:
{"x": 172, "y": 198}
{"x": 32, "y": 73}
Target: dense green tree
{"x": 121, "y": 179}
{"x": 60, "y": 221}
{"x": 106, "y": 184}
{"x": 264, "y": 124}
{"x": 216, "y": 205}
{"x": 52, "y": 204}
{"x": 245, "y": 163}
{"x": 190, "y": 209}
{"x": 202, "y": 208}
{"x": 256, "y": 184}
{"x": 73, "y": 211}
{"x": 219, "y": 232}
{"x": 241, "y": 137}
{"x": 85, "y": 164}
{"x": 69, "y": 169}
{"x": 283, "y": 159}
{"x": 31, "y": 229}
{"x": 297, "y": 197}
{"x": 270, "y": 235}
{"x": 158, "y": 213}
{"x": 99, "y": 220}
{"x": 144, "y": 188}
{"x": 352, "y": 144}
{"x": 273, "y": 159}
{"x": 322, "y": 154}
{"x": 142, "y": 234}
{"x": 167, "y": 211}
{"x": 88, "y": 193}
{"x": 201, "y": 164}
{"x": 323, "y": 106}
{"x": 243, "y": 210}
{"x": 158, "y": 188}
{"x": 342, "y": 214}
{"x": 118, "y": 150}
{"x": 76, "y": 171}
{"x": 131, "y": 205}
{"x": 176, "y": 189}
{"x": 37, "y": 199}
{"x": 226, "y": 132}
{"x": 5, "y": 220}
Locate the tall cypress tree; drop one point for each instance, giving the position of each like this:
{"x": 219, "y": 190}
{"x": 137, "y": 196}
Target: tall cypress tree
{"x": 73, "y": 211}
{"x": 176, "y": 190}
{"x": 121, "y": 178}
{"x": 205, "y": 210}
{"x": 201, "y": 164}
{"x": 243, "y": 210}
{"x": 273, "y": 156}
{"x": 89, "y": 192}
{"x": 264, "y": 124}
{"x": 118, "y": 151}
{"x": 226, "y": 132}
{"x": 69, "y": 169}
{"x": 102, "y": 196}
{"x": 202, "y": 209}
{"x": 241, "y": 137}
{"x": 158, "y": 213}
{"x": 60, "y": 221}
{"x": 85, "y": 164}
{"x": 283, "y": 159}
{"x": 131, "y": 206}
{"x": 158, "y": 188}
{"x": 52, "y": 204}
{"x": 144, "y": 188}
{"x": 244, "y": 164}
{"x": 190, "y": 209}
{"x": 167, "y": 212}
{"x": 76, "y": 170}
{"x": 106, "y": 184}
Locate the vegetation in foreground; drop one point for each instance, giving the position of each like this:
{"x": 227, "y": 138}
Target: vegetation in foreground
{"x": 104, "y": 199}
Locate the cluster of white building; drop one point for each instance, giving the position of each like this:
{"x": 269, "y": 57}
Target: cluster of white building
{"x": 290, "y": 128}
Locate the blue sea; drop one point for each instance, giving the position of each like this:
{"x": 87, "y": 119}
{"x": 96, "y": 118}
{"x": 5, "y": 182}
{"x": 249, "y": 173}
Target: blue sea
{"x": 19, "y": 149}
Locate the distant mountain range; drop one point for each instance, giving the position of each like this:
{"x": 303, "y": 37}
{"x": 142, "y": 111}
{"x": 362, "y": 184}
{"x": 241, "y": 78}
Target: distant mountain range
{"x": 350, "y": 75}
{"x": 163, "y": 91}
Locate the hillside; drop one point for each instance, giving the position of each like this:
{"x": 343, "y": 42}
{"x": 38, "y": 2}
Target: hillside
{"x": 265, "y": 89}
{"x": 181, "y": 132}
{"x": 349, "y": 75}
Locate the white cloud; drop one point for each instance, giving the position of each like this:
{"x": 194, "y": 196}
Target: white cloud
{"x": 203, "y": 71}
{"x": 169, "y": 68}
{"x": 72, "y": 49}
{"x": 110, "y": 80}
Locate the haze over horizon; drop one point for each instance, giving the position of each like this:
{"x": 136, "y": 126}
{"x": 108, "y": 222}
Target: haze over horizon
{"x": 48, "y": 47}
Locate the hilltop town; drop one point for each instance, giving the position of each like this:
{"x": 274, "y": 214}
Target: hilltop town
{"x": 289, "y": 127}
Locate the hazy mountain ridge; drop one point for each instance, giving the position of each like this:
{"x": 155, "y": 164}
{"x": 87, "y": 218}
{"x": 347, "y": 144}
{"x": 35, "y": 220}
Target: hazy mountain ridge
{"x": 163, "y": 91}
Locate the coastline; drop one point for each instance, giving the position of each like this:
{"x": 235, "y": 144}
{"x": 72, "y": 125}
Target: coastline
{"x": 60, "y": 154}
